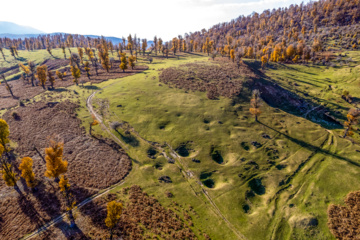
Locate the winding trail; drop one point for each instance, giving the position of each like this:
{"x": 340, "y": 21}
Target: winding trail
{"x": 189, "y": 174}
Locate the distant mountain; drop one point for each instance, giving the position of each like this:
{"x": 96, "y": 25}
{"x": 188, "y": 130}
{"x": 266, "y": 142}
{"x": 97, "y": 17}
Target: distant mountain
{"x": 13, "y": 28}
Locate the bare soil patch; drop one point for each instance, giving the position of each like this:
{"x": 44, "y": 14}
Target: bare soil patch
{"x": 143, "y": 217}
{"x": 94, "y": 164}
{"x": 223, "y": 78}
{"x": 23, "y": 90}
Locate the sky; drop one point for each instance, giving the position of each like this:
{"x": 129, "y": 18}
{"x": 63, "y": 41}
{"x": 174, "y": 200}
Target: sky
{"x": 117, "y": 18}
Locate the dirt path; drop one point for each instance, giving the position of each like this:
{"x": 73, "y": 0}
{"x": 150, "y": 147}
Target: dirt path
{"x": 189, "y": 174}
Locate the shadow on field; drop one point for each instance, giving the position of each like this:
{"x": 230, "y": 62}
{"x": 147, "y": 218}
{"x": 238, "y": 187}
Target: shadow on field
{"x": 91, "y": 87}
{"x": 313, "y": 148}
{"x": 278, "y": 97}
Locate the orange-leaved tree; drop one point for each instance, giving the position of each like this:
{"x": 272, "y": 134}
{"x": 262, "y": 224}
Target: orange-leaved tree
{"x": 124, "y": 62}
{"x": 114, "y": 210}
{"x": 55, "y": 165}
{"x": 255, "y": 104}
{"x": 8, "y": 174}
{"x": 27, "y": 173}
{"x": 76, "y": 73}
{"x": 87, "y": 69}
{"x": 104, "y": 57}
{"x": 41, "y": 73}
{"x": 93, "y": 123}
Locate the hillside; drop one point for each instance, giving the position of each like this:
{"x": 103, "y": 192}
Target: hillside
{"x": 248, "y": 130}
{"x": 12, "y": 28}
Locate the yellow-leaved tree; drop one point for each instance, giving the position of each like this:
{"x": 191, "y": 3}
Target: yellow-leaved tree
{"x": 75, "y": 71}
{"x": 255, "y": 104}
{"x": 114, "y": 210}
{"x": 353, "y": 117}
{"x": 8, "y": 174}
{"x": 55, "y": 165}
{"x": 4, "y": 134}
{"x": 41, "y": 73}
{"x": 124, "y": 62}
{"x": 132, "y": 60}
{"x": 60, "y": 75}
{"x": 87, "y": 69}
{"x": 69, "y": 199}
{"x": 27, "y": 172}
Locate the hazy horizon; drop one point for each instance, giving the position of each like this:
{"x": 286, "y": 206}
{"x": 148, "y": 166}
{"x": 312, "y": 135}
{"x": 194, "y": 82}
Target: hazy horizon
{"x": 145, "y": 18}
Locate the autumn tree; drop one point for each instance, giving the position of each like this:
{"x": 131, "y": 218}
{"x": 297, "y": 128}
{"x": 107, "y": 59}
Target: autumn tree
{"x": 27, "y": 172}
{"x": 174, "y": 45}
{"x": 76, "y": 73}
{"x": 255, "y": 104}
{"x": 264, "y": 61}
{"x": 51, "y": 78}
{"x": 232, "y": 55}
{"x": 124, "y": 62}
{"x": 69, "y": 199}
{"x": 4, "y": 135}
{"x": 104, "y": 58}
{"x": 290, "y": 51}
{"x": 160, "y": 44}
{"x": 93, "y": 123}
{"x": 41, "y": 73}
{"x": 132, "y": 60}
{"x": 114, "y": 210}
{"x": 60, "y": 75}
{"x": 7, "y": 86}
{"x": 353, "y": 117}
{"x": 87, "y": 69}
{"x": 8, "y": 174}
{"x": 55, "y": 165}
{"x": 75, "y": 60}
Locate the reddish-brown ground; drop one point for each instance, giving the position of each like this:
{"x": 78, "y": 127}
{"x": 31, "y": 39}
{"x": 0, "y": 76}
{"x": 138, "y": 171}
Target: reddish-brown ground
{"x": 143, "y": 217}
{"x": 94, "y": 164}
{"x": 223, "y": 78}
{"x": 24, "y": 90}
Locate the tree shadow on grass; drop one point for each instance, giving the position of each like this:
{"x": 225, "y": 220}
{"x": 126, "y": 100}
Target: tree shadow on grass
{"x": 129, "y": 139}
{"x": 314, "y": 148}
{"x": 91, "y": 87}
{"x": 288, "y": 101}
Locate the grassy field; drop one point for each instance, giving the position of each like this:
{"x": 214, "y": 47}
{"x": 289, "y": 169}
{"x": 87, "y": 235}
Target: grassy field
{"x": 296, "y": 165}
{"x": 271, "y": 180}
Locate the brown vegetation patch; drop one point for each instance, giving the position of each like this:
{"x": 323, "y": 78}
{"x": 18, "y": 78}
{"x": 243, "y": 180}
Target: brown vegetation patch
{"x": 221, "y": 79}
{"x": 344, "y": 221}
{"x": 143, "y": 217}
{"x": 94, "y": 164}
{"x": 23, "y": 90}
